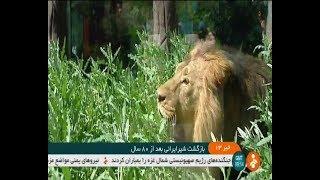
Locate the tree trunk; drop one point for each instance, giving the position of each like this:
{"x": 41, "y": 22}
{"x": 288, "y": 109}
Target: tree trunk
{"x": 86, "y": 37}
{"x": 57, "y": 24}
{"x": 269, "y": 21}
{"x": 52, "y": 30}
{"x": 49, "y": 18}
{"x": 164, "y": 21}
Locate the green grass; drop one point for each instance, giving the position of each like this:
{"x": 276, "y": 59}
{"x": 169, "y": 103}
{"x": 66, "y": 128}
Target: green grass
{"x": 253, "y": 139}
{"x": 111, "y": 105}
{"x": 117, "y": 104}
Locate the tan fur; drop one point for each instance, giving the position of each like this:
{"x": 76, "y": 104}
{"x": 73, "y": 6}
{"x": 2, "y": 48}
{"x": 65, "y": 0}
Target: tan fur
{"x": 222, "y": 85}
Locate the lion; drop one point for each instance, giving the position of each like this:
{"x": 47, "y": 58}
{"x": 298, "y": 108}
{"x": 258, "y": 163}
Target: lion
{"x": 211, "y": 91}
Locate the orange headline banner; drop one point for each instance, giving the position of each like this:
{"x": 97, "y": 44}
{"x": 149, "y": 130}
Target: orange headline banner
{"x": 223, "y": 148}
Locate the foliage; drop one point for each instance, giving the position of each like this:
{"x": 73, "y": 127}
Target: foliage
{"x": 254, "y": 138}
{"x": 119, "y": 105}
{"x": 112, "y": 105}
{"x": 235, "y": 23}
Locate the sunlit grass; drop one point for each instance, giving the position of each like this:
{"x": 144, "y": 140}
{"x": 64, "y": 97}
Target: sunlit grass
{"x": 111, "y": 105}
{"x": 117, "y": 104}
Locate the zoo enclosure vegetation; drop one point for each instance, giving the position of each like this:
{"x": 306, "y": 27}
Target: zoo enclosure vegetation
{"x": 119, "y": 105}
{"x": 114, "y": 103}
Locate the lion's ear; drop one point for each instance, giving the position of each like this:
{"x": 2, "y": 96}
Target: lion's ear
{"x": 210, "y": 38}
{"x": 210, "y": 41}
{"x": 203, "y": 46}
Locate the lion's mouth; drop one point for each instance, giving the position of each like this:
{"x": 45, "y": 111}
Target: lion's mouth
{"x": 173, "y": 120}
{"x": 176, "y": 132}
{"x": 166, "y": 111}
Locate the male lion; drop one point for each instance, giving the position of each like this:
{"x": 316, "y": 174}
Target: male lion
{"x": 211, "y": 91}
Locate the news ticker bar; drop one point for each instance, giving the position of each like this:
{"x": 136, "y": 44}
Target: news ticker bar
{"x": 128, "y": 148}
{"x": 139, "y": 160}
{"x": 211, "y": 154}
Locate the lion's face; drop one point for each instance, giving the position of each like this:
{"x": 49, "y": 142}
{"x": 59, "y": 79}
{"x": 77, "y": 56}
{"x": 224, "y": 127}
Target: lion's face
{"x": 178, "y": 97}
{"x": 210, "y": 92}
{"x": 191, "y": 96}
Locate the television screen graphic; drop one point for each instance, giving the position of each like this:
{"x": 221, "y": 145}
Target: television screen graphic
{"x": 159, "y": 89}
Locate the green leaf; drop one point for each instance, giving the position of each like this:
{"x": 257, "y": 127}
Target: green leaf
{"x": 265, "y": 140}
{"x": 213, "y": 138}
{"x": 66, "y": 173}
{"x": 162, "y": 125}
{"x": 93, "y": 173}
{"x": 242, "y": 133}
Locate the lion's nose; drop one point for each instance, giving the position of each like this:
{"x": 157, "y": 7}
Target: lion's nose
{"x": 161, "y": 97}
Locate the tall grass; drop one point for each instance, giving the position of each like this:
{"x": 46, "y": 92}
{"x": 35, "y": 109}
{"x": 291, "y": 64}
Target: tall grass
{"x": 253, "y": 138}
{"x": 115, "y": 104}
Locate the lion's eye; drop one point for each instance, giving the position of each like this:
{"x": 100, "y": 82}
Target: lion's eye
{"x": 185, "y": 81}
